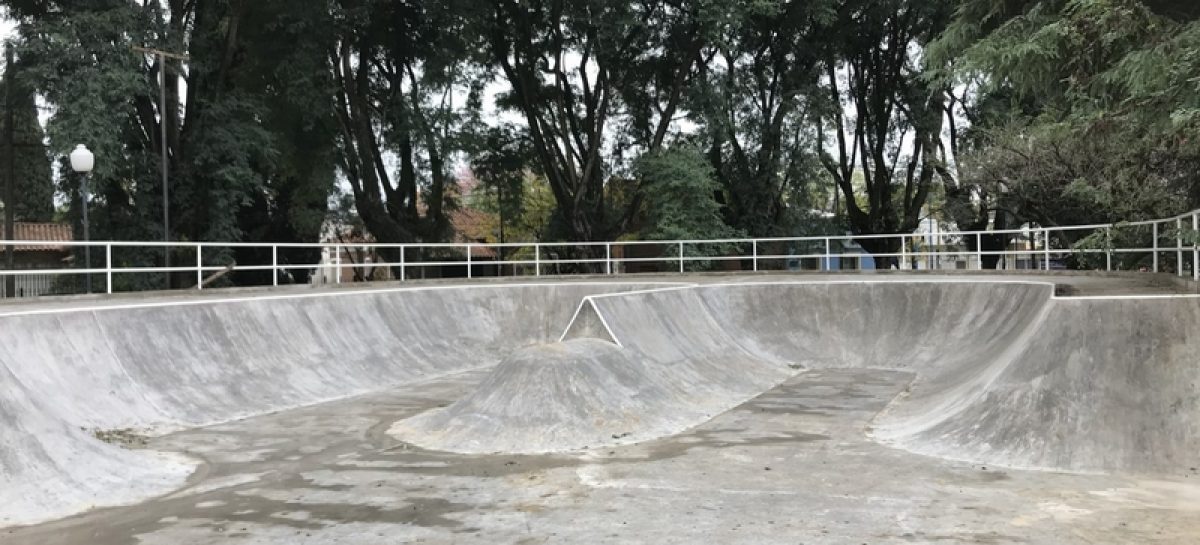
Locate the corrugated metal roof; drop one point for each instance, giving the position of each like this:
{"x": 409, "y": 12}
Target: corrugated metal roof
{"x": 47, "y": 232}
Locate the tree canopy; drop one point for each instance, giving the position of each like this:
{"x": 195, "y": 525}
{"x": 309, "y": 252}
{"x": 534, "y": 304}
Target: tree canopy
{"x": 645, "y": 118}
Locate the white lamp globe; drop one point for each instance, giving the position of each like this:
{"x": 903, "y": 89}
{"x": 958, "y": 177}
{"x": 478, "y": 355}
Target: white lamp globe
{"x": 82, "y": 159}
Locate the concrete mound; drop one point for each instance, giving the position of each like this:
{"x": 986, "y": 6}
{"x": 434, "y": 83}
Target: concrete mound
{"x": 1003, "y": 373}
{"x": 554, "y": 397}
{"x": 661, "y": 374}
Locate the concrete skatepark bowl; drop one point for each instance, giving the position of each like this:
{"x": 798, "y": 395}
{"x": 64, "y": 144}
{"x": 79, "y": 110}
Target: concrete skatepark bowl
{"x": 759, "y": 409}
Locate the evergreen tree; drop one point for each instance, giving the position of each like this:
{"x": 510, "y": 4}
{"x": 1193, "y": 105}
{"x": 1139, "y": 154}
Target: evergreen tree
{"x": 33, "y": 180}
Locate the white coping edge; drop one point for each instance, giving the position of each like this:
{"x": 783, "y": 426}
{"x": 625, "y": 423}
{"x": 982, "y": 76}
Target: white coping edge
{"x": 682, "y": 286}
{"x": 332, "y": 293}
{"x": 590, "y": 299}
{"x": 667, "y": 286}
{"x": 587, "y": 301}
{"x": 954, "y": 281}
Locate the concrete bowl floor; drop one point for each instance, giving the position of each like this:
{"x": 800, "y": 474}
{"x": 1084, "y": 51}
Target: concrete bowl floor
{"x": 794, "y": 465}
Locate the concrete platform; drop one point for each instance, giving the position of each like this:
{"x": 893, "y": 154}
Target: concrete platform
{"x": 848, "y": 439}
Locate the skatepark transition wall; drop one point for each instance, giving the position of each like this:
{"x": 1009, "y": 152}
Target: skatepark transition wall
{"x": 1004, "y": 373}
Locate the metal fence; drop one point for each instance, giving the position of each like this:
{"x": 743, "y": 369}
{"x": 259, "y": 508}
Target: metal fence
{"x": 1165, "y": 245}
{"x": 34, "y": 284}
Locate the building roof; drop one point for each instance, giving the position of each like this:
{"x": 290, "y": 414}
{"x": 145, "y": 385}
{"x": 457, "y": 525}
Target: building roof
{"x": 40, "y": 232}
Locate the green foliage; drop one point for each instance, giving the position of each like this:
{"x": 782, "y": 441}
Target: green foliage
{"x": 396, "y": 69}
{"x": 680, "y": 190}
{"x": 756, "y": 104}
{"x": 502, "y": 164}
{"x": 250, "y": 158}
{"x": 33, "y": 180}
{"x": 1086, "y": 108}
{"x": 662, "y": 119}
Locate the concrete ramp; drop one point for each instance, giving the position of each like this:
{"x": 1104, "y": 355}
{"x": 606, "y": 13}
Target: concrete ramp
{"x": 152, "y": 367}
{"x": 662, "y": 367}
{"x": 49, "y": 466}
{"x": 1102, "y": 385}
{"x": 1003, "y": 373}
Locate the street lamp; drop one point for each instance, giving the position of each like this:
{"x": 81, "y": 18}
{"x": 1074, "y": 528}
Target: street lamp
{"x": 82, "y": 162}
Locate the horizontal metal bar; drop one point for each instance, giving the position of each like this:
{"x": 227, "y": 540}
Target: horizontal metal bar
{"x": 948, "y": 245}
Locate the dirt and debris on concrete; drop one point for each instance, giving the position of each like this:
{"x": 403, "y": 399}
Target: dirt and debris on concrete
{"x": 124, "y": 437}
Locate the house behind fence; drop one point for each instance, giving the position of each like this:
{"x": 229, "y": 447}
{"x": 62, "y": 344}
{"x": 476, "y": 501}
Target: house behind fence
{"x": 48, "y": 256}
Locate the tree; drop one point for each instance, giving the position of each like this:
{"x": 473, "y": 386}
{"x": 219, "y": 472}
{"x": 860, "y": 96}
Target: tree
{"x": 678, "y": 37}
{"x": 680, "y": 187}
{"x": 755, "y": 108}
{"x": 886, "y": 120}
{"x": 1086, "y": 110}
{"x": 33, "y": 180}
{"x": 502, "y": 164}
{"x": 562, "y": 61}
{"x": 592, "y": 81}
{"x": 397, "y": 67}
{"x": 248, "y": 142}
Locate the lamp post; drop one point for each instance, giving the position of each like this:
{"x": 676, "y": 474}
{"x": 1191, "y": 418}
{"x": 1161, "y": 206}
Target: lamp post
{"x": 82, "y": 162}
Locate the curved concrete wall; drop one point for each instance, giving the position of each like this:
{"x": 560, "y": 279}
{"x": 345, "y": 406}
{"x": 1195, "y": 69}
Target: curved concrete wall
{"x": 1102, "y": 385}
{"x": 632, "y": 368}
{"x": 66, "y": 373}
{"x": 1004, "y": 373}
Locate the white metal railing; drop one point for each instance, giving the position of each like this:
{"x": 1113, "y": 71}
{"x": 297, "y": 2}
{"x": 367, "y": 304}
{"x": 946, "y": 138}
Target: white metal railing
{"x": 1027, "y": 248}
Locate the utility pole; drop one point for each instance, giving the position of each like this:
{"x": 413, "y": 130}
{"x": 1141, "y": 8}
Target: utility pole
{"x": 162, "y": 112}
{"x": 10, "y": 192}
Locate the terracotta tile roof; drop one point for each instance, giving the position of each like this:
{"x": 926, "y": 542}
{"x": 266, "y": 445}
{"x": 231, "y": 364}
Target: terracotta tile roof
{"x": 47, "y": 232}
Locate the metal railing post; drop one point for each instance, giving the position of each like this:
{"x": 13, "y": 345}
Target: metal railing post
{"x": 402, "y": 265}
{"x": 470, "y": 272}
{"x": 199, "y": 267}
{"x": 1046, "y": 249}
{"x": 979, "y": 250}
{"x": 1154, "y": 231}
{"x": 274, "y": 265}
{"x": 608, "y": 258}
{"x": 828, "y": 255}
{"x": 108, "y": 268}
{"x": 537, "y": 259}
{"x": 903, "y": 252}
{"x": 935, "y": 260}
{"x": 337, "y": 264}
{"x": 681, "y": 258}
{"x": 1108, "y": 248}
{"x": 1179, "y": 247}
{"x": 754, "y": 255}
{"x": 1195, "y": 247}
